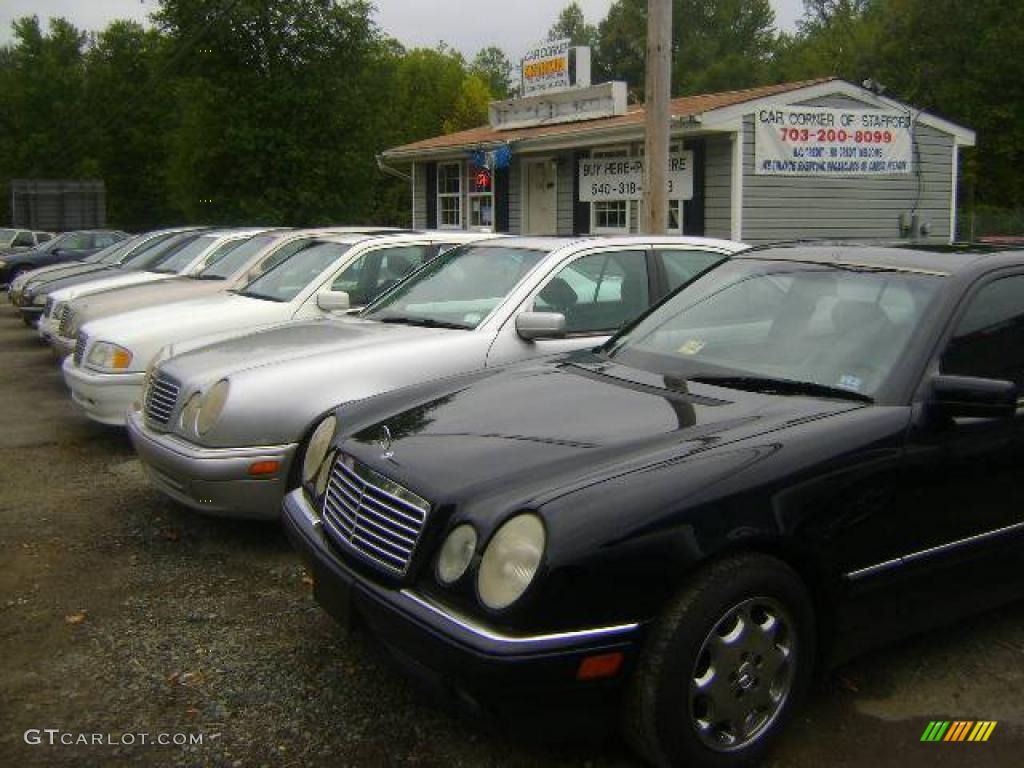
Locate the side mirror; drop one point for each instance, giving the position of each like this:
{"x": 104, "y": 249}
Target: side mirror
{"x": 540, "y": 325}
{"x": 333, "y": 301}
{"x": 971, "y": 397}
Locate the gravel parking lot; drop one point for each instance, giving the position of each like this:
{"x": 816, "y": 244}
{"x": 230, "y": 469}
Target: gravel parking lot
{"x": 121, "y": 612}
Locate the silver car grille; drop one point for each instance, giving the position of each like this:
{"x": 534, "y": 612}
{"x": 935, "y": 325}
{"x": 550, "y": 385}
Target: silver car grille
{"x": 80, "y": 345}
{"x": 161, "y": 397}
{"x": 64, "y": 325}
{"x": 373, "y": 516}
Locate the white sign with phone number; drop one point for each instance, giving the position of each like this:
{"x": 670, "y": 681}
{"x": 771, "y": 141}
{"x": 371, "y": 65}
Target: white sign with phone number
{"x": 837, "y": 143}
{"x": 622, "y": 178}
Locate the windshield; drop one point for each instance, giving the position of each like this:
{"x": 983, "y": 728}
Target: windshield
{"x": 182, "y": 257}
{"x": 7, "y": 235}
{"x": 752, "y": 321}
{"x": 287, "y": 280}
{"x": 56, "y": 242}
{"x": 112, "y": 253}
{"x": 459, "y": 288}
{"x": 225, "y": 263}
{"x": 157, "y": 250}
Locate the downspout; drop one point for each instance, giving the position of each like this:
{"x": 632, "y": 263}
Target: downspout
{"x": 387, "y": 169}
{"x": 391, "y": 171}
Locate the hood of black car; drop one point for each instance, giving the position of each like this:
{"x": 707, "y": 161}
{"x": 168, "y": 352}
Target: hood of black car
{"x": 542, "y": 427}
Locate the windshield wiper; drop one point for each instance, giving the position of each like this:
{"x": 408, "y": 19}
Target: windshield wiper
{"x": 254, "y": 295}
{"x": 201, "y": 276}
{"x": 424, "y": 322}
{"x": 782, "y": 387}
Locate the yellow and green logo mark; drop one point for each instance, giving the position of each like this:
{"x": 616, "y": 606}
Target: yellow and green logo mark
{"x": 958, "y": 730}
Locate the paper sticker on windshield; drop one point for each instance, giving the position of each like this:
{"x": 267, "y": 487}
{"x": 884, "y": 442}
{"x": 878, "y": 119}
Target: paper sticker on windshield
{"x": 692, "y": 347}
{"x": 850, "y": 382}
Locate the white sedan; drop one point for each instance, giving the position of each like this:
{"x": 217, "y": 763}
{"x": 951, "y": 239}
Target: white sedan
{"x": 335, "y": 273}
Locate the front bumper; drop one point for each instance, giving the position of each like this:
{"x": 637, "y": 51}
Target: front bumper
{"x": 453, "y": 654}
{"x": 105, "y": 397}
{"x": 212, "y": 480}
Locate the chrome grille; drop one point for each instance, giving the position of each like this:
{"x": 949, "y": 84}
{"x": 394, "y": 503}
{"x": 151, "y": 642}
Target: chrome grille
{"x": 48, "y": 309}
{"x": 80, "y": 345}
{"x": 161, "y": 397}
{"x": 373, "y": 516}
{"x": 64, "y": 326}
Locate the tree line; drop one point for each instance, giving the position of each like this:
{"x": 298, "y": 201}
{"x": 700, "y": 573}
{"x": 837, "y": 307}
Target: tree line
{"x": 246, "y": 111}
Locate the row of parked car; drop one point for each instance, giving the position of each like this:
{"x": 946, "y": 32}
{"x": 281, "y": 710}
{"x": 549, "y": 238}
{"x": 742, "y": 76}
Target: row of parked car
{"x": 671, "y": 474}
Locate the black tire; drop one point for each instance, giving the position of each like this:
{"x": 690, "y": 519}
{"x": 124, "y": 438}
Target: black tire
{"x": 661, "y": 717}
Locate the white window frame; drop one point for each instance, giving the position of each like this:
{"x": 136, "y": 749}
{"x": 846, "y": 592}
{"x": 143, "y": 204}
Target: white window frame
{"x": 674, "y": 147}
{"x": 615, "y": 151}
{"x": 471, "y": 196}
{"x": 457, "y": 196}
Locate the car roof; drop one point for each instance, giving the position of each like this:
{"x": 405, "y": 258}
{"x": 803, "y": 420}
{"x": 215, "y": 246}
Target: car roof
{"x": 404, "y": 235}
{"x": 909, "y": 257}
{"x": 551, "y": 243}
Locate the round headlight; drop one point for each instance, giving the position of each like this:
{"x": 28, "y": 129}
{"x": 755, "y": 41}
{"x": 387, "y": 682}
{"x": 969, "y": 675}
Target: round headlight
{"x": 188, "y": 413}
{"x": 39, "y": 300}
{"x": 316, "y": 450}
{"x": 511, "y": 561}
{"x": 325, "y": 474}
{"x": 211, "y": 406}
{"x": 456, "y": 554}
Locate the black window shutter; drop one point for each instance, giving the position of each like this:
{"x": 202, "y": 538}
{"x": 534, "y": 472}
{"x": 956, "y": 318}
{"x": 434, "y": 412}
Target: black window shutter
{"x": 431, "y": 195}
{"x": 580, "y": 211}
{"x": 693, "y": 210}
{"x": 501, "y": 186}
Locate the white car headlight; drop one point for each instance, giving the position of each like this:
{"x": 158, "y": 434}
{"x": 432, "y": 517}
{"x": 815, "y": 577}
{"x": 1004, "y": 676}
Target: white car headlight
{"x": 211, "y": 406}
{"x": 39, "y": 300}
{"x": 510, "y": 561}
{"x": 319, "y": 444}
{"x": 109, "y": 357}
{"x": 187, "y": 420}
{"x": 456, "y": 554}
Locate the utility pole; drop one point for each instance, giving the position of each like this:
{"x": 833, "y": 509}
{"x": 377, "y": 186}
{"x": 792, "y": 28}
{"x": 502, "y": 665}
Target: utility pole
{"x": 657, "y": 90}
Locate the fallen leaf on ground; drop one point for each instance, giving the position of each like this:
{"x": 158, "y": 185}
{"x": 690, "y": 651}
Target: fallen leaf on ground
{"x": 75, "y": 618}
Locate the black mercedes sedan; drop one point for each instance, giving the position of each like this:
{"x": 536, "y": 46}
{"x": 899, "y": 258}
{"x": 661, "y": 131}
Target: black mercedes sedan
{"x": 809, "y": 451}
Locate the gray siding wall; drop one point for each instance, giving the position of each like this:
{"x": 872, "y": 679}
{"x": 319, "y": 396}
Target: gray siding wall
{"x": 718, "y": 188}
{"x": 787, "y": 207}
{"x": 515, "y": 196}
{"x": 419, "y": 196}
{"x": 565, "y": 192}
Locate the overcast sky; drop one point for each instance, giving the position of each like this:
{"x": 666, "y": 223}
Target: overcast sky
{"x": 467, "y": 25}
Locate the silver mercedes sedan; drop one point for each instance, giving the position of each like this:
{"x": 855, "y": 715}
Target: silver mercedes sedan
{"x": 224, "y": 427}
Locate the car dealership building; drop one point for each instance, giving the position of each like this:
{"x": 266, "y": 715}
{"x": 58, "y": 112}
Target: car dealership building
{"x": 814, "y": 159}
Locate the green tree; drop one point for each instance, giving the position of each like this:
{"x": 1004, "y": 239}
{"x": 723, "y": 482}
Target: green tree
{"x": 129, "y": 108}
{"x": 278, "y": 109}
{"x": 470, "y": 107}
{"x": 571, "y": 25}
{"x": 717, "y": 44}
{"x": 493, "y": 67}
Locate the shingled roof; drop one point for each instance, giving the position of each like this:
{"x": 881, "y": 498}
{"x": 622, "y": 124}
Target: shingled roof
{"x": 685, "y": 106}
